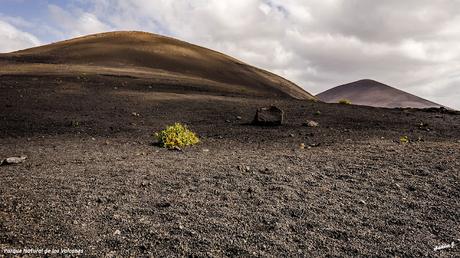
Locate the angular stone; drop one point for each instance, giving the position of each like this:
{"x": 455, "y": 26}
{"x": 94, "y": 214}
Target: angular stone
{"x": 13, "y": 160}
{"x": 311, "y": 123}
{"x": 269, "y": 116}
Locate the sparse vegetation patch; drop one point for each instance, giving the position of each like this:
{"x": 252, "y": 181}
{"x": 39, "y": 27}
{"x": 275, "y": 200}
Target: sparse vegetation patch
{"x": 345, "y": 102}
{"x": 404, "y": 139}
{"x": 176, "y": 136}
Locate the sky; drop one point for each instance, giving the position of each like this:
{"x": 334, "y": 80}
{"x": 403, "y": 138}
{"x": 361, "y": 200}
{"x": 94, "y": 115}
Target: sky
{"x": 412, "y": 45}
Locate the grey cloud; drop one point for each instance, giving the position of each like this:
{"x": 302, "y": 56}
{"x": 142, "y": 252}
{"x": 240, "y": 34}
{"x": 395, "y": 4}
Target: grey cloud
{"x": 390, "y": 20}
{"x": 12, "y": 38}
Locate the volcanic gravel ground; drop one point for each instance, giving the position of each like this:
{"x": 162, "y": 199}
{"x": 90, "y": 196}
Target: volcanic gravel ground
{"x": 93, "y": 180}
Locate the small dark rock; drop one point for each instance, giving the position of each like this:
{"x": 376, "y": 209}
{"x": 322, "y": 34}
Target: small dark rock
{"x": 164, "y": 205}
{"x": 269, "y": 116}
{"x": 411, "y": 188}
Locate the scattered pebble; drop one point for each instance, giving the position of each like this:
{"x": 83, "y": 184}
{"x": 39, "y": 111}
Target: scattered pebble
{"x": 238, "y": 118}
{"x": 205, "y": 150}
{"x": 244, "y": 168}
{"x": 13, "y": 160}
{"x": 117, "y": 232}
{"x": 175, "y": 148}
{"x": 302, "y": 146}
{"x": 311, "y": 123}
{"x": 145, "y": 184}
{"x": 442, "y": 247}
{"x": 266, "y": 171}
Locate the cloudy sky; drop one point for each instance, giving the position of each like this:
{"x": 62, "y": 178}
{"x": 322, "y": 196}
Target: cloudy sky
{"x": 413, "y": 45}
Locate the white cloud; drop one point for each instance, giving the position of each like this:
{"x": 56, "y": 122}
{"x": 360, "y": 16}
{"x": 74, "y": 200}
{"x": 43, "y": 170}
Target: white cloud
{"x": 16, "y": 21}
{"x": 76, "y": 23}
{"x": 11, "y": 38}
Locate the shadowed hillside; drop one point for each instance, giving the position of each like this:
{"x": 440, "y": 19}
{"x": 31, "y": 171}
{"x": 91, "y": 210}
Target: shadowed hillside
{"x": 167, "y": 60}
{"x": 376, "y": 94}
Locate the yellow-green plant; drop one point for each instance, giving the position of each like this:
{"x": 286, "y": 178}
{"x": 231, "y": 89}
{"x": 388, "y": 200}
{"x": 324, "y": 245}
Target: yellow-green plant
{"x": 404, "y": 139}
{"x": 176, "y": 136}
{"x": 345, "y": 102}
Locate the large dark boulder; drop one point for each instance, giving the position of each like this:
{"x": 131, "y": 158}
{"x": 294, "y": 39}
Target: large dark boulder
{"x": 269, "y": 116}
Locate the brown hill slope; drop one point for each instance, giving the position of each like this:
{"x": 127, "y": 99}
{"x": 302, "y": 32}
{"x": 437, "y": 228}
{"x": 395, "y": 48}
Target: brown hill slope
{"x": 146, "y": 55}
{"x": 376, "y": 94}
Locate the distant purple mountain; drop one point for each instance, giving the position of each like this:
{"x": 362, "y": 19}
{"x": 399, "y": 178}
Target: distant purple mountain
{"x": 375, "y": 94}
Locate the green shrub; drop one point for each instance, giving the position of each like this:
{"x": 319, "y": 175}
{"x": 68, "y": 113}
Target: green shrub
{"x": 176, "y": 136}
{"x": 345, "y": 102}
{"x": 404, "y": 139}
{"x": 74, "y": 123}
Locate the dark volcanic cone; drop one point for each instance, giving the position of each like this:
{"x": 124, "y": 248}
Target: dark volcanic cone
{"x": 166, "y": 60}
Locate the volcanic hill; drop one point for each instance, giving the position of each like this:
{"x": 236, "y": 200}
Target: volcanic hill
{"x": 376, "y": 94}
{"x": 162, "y": 60}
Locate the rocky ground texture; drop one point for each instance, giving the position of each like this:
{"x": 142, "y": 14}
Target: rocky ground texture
{"x": 93, "y": 181}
